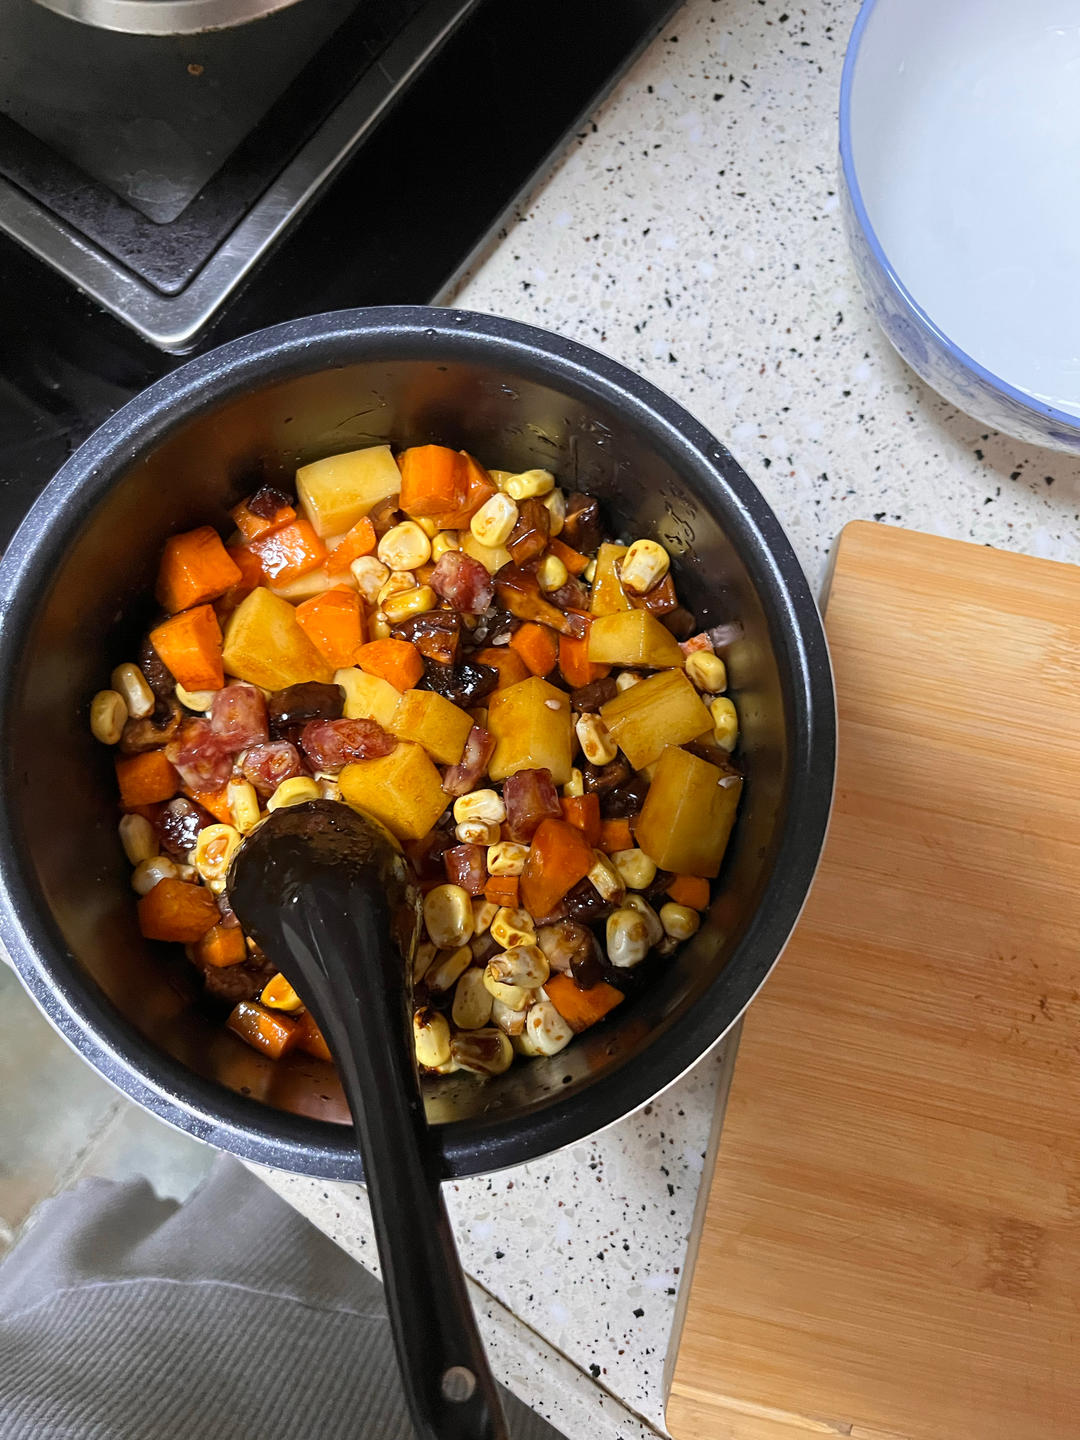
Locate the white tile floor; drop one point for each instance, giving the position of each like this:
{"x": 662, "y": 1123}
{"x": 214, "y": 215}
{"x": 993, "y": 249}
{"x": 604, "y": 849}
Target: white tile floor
{"x": 60, "y": 1121}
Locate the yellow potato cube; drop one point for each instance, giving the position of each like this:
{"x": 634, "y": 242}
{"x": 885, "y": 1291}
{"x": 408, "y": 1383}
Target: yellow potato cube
{"x": 608, "y": 596}
{"x": 688, "y": 814}
{"x": 402, "y": 790}
{"x": 663, "y": 710}
{"x": 434, "y": 722}
{"x": 338, "y": 491}
{"x": 265, "y": 646}
{"x": 633, "y": 637}
{"x": 531, "y": 725}
{"x": 492, "y": 557}
{"x": 315, "y": 582}
{"x": 368, "y": 697}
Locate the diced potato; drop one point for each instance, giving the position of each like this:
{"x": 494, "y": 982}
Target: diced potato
{"x": 265, "y": 646}
{"x": 402, "y": 790}
{"x": 608, "y": 596}
{"x": 336, "y": 492}
{"x": 313, "y": 583}
{"x": 688, "y": 814}
{"x": 492, "y": 557}
{"x": 633, "y": 637}
{"x": 434, "y": 722}
{"x": 368, "y": 697}
{"x": 531, "y": 725}
{"x": 663, "y": 710}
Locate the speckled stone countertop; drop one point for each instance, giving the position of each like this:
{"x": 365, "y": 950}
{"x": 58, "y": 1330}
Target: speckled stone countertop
{"x": 692, "y": 232}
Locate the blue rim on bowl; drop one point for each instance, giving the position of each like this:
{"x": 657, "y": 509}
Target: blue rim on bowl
{"x": 910, "y": 308}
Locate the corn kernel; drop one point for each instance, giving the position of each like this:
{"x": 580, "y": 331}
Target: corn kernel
{"x": 138, "y": 839}
{"x": 397, "y": 582}
{"x": 595, "y": 740}
{"x": 545, "y": 1029}
{"x": 108, "y": 716}
{"x": 725, "y": 723}
{"x": 626, "y": 680}
{"x": 404, "y": 547}
{"x": 293, "y": 792}
{"x": 280, "y": 995}
{"x": 449, "y": 966}
{"x": 575, "y": 786}
{"x": 551, "y": 573}
{"x": 448, "y": 916}
{"x": 589, "y": 573}
{"x": 484, "y": 1052}
{"x": 445, "y": 540}
{"x": 378, "y": 626}
{"x": 500, "y": 477}
{"x": 555, "y": 505}
{"x": 370, "y": 576}
{"x": 423, "y": 958}
{"x": 530, "y": 484}
{"x": 523, "y": 965}
{"x": 510, "y": 1021}
{"x": 148, "y": 872}
{"x": 477, "y": 832}
{"x": 243, "y": 805}
{"x": 198, "y": 700}
{"x": 214, "y": 850}
{"x": 606, "y": 879}
{"x": 483, "y": 913}
{"x": 512, "y": 927}
{"x": 707, "y": 671}
{"x": 480, "y": 805}
{"x": 493, "y": 522}
{"x": 431, "y": 1037}
{"x": 417, "y": 601}
{"x": 129, "y": 681}
{"x": 472, "y": 1001}
{"x": 653, "y": 928}
{"x": 506, "y": 858}
{"x": 428, "y": 526}
{"x": 636, "y": 870}
{"x": 679, "y": 921}
{"x": 627, "y": 938}
{"x": 512, "y": 996}
{"x": 643, "y": 566}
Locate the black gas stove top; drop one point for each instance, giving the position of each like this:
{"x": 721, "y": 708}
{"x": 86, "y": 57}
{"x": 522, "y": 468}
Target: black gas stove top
{"x": 469, "y": 120}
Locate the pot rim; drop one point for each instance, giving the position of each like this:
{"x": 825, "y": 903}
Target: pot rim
{"x": 247, "y": 1127}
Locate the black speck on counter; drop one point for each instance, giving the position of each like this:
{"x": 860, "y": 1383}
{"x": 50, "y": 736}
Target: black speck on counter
{"x": 594, "y": 1371}
{"x": 500, "y": 1254}
{"x": 638, "y": 1314}
{"x": 1049, "y": 479}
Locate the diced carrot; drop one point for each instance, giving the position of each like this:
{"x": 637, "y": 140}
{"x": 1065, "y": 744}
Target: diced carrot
{"x": 177, "y": 910}
{"x": 538, "y": 646}
{"x": 148, "y": 812}
{"x": 145, "y": 779}
{"x": 189, "y": 644}
{"x": 506, "y": 660}
{"x": 581, "y": 1008}
{"x": 433, "y": 480}
{"x": 310, "y": 1038}
{"x": 692, "y": 890}
{"x": 216, "y": 801}
{"x": 222, "y": 945}
{"x": 334, "y": 623}
{"x": 615, "y": 835}
{"x": 266, "y": 1030}
{"x": 194, "y": 568}
{"x": 353, "y": 545}
{"x": 289, "y": 552}
{"x": 584, "y": 812}
{"x": 251, "y": 526}
{"x": 574, "y": 561}
{"x": 251, "y": 573}
{"x": 502, "y": 890}
{"x": 398, "y": 661}
{"x": 574, "y": 663}
{"x": 479, "y": 488}
{"x": 558, "y": 858}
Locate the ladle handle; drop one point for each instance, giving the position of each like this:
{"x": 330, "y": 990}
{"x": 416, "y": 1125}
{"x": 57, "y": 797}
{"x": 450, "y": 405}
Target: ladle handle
{"x": 451, "y": 1391}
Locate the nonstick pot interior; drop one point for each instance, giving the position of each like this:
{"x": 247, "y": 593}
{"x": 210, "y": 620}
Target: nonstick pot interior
{"x": 75, "y": 585}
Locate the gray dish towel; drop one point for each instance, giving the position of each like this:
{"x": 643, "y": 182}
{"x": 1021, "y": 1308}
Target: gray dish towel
{"x": 230, "y": 1317}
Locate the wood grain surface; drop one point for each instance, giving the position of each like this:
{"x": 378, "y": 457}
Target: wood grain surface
{"x": 891, "y": 1249}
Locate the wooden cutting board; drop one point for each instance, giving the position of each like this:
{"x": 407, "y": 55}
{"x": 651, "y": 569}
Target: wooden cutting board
{"x": 892, "y": 1241}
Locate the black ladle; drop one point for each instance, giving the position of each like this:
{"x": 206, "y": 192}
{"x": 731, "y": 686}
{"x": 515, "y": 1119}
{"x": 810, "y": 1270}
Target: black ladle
{"x": 333, "y": 903}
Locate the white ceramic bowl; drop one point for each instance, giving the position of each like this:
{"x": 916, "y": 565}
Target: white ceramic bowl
{"x": 960, "y": 155}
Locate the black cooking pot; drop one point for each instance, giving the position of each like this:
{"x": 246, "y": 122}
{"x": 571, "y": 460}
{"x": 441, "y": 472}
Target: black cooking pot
{"x": 75, "y": 586}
